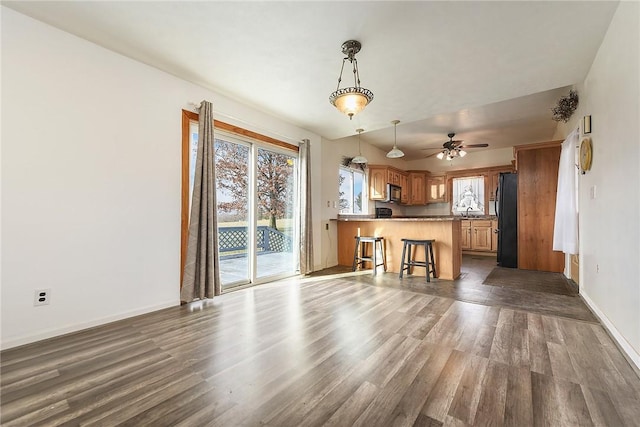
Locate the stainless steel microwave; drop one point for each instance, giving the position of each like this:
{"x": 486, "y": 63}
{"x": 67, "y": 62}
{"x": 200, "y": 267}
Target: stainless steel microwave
{"x": 394, "y": 193}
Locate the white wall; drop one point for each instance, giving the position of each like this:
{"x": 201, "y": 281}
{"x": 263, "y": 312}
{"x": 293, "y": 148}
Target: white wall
{"x": 610, "y": 222}
{"x": 91, "y": 180}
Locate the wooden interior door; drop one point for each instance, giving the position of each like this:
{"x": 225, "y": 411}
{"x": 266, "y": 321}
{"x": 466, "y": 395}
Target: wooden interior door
{"x": 537, "y": 186}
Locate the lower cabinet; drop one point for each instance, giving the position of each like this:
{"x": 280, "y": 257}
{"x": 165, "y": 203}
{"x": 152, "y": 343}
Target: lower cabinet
{"x": 466, "y": 235}
{"x": 481, "y": 232}
{"x": 478, "y": 235}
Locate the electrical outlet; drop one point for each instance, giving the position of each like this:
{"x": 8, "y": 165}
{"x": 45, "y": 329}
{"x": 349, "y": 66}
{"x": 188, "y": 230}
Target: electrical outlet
{"x": 41, "y": 297}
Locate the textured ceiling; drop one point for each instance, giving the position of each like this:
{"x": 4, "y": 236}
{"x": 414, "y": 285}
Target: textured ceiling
{"x": 485, "y": 70}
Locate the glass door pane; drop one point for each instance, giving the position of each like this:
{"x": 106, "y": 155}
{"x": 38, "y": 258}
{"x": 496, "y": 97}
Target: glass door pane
{"x": 276, "y": 222}
{"x": 233, "y": 166}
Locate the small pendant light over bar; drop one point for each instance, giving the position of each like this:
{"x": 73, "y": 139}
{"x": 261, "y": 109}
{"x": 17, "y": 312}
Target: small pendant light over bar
{"x": 395, "y": 151}
{"x": 351, "y": 100}
{"x": 359, "y": 158}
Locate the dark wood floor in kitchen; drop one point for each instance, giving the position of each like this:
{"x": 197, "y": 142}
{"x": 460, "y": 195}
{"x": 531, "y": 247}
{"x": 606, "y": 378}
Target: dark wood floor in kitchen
{"x": 332, "y": 351}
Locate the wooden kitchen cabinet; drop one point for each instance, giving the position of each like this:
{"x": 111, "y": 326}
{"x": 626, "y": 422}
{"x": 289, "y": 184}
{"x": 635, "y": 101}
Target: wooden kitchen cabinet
{"x": 494, "y": 236}
{"x": 380, "y": 176}
{"x": 417, "y": 185}
{"x": 436, "y": 189}
{"x": 493, "y": 178}
{"x": 406, "y": 191}
{"x": 478, "y": 235}
{"x": 481, "y": 235}
{"x": 393, "y": 176}
{"x": 465, "y": 235}
{"x": 378, "y": 183}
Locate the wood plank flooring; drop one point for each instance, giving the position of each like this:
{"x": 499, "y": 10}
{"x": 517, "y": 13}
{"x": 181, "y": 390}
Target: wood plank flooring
{"x": 333, "y": 352}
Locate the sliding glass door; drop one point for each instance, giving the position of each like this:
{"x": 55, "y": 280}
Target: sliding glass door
{"x": 256, "y": 189}
{"x": 233, "y": 167}
{"x": 276, "y": 183}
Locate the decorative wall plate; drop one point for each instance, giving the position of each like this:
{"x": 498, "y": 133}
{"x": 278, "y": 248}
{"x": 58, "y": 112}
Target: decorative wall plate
{"x": 586, "y": 154}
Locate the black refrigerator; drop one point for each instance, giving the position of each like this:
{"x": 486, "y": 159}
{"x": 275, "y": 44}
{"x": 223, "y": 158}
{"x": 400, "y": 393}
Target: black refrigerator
{"x": 507, "y": 212}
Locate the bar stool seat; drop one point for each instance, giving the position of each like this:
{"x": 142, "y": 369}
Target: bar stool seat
{"x": 428, "y": 263}
{"x": 360, "y": 255}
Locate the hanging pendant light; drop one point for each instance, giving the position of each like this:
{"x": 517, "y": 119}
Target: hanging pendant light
{"x": 359, "y": 158}
{"x": 351, "y": 100}
{"x": 395, "y": 152}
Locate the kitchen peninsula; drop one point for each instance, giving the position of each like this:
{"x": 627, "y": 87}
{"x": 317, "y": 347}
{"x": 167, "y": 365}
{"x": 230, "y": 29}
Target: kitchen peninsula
{"x": 444, "y": 230}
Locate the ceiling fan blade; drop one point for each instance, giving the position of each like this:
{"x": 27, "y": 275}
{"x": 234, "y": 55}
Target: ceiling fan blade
{"x": 434, "y": 154}
{"x": 473, "y": 146}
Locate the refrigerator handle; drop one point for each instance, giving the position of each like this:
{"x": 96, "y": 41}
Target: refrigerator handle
{"x": 495, "y": 202}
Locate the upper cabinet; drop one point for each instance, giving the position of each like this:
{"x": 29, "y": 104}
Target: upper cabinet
{"x": 492, "y": 180}
{"x": 417, "y": 185}
{"x": 436, "y": 189}
{"x": 393, "y": 176}
{"x": 406, "y": 190}
{"x": 380, "y": 176}
{"x": 378, "y": 182}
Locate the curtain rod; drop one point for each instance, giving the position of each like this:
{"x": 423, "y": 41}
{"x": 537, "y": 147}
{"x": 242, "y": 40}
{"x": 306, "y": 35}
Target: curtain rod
{"x": 196, "y": 105}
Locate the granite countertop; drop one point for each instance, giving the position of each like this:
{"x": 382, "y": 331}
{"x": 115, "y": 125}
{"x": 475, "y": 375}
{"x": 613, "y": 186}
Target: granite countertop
{"x": 411, "y": 218}
{"x": 407, "y": 219}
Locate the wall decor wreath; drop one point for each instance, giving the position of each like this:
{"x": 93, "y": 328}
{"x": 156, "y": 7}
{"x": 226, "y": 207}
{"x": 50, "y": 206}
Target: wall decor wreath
{"x": 566, "y": 106}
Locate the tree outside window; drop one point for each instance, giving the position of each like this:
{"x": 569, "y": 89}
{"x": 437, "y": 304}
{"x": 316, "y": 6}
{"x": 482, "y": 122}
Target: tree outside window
{"x": 351, "y": 191}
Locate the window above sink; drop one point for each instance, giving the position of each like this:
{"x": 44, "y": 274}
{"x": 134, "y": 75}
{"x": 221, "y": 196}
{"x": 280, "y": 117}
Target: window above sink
{"x": 468, "y": 196}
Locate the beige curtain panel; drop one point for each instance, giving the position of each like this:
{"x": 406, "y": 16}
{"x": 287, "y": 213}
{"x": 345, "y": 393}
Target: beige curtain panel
{"x": 201, "y": 278}
{"x": 306, "y": 230}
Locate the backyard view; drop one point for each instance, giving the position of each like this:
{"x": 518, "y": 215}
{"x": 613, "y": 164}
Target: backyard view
{"x": 273, "y": 200}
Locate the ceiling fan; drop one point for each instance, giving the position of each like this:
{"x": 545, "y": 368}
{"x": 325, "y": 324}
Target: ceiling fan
{"x": 452, "y": 149}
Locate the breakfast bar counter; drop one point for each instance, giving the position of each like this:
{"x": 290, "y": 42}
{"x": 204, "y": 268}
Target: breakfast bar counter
{"x": 444, "y": 230}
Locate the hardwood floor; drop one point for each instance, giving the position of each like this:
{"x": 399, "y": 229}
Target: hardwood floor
{"x": 327, "y": 351}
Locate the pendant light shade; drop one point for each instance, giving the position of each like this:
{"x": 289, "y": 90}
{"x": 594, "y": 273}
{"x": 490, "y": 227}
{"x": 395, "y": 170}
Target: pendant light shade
{"x": 351, "y": 100}
{"x": 395, "y": 152}
{"x": 359, "y": 158}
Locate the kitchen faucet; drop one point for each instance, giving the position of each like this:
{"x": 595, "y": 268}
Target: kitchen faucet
{"x": 468, "y": 211}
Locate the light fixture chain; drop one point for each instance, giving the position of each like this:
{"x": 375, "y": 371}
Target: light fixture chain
{"x": 356, "y": 72}
{"x": 341, "y": 70}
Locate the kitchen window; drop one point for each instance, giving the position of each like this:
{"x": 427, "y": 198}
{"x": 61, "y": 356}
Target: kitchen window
{"x": 351, "y": 192}
{"x": 468, "y": 196}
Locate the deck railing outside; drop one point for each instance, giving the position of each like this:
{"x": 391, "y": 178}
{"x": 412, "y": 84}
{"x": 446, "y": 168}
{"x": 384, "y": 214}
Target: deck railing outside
{"x": 232, "y": 241}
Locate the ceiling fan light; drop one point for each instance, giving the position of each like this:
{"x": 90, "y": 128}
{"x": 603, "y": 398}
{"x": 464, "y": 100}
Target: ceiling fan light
{"x": 440, "y": 155}
{"x": 462, "y": 153}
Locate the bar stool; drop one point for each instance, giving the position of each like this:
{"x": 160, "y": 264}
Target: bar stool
{"x": 360, "y": 254}
{"x": 428, "y": 262}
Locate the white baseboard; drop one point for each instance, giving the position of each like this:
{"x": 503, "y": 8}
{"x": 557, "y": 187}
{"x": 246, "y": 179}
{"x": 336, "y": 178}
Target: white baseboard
{"x": 50, "y": 333}
{"x": 623, "y": 344}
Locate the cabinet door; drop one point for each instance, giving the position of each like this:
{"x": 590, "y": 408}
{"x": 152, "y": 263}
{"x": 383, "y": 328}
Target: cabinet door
{"x": 435, "y": 189}
{"x": 494, "y": 236}
{"x": 493, "y": 182}
{"x": 418, "y": 191}
{"x": 466, "y": 235}
{"x": 406, "y": 191}
{"x": 481, "y": 235}
{"x": 377, "y": 183}
{"x": 394, "y": 177}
